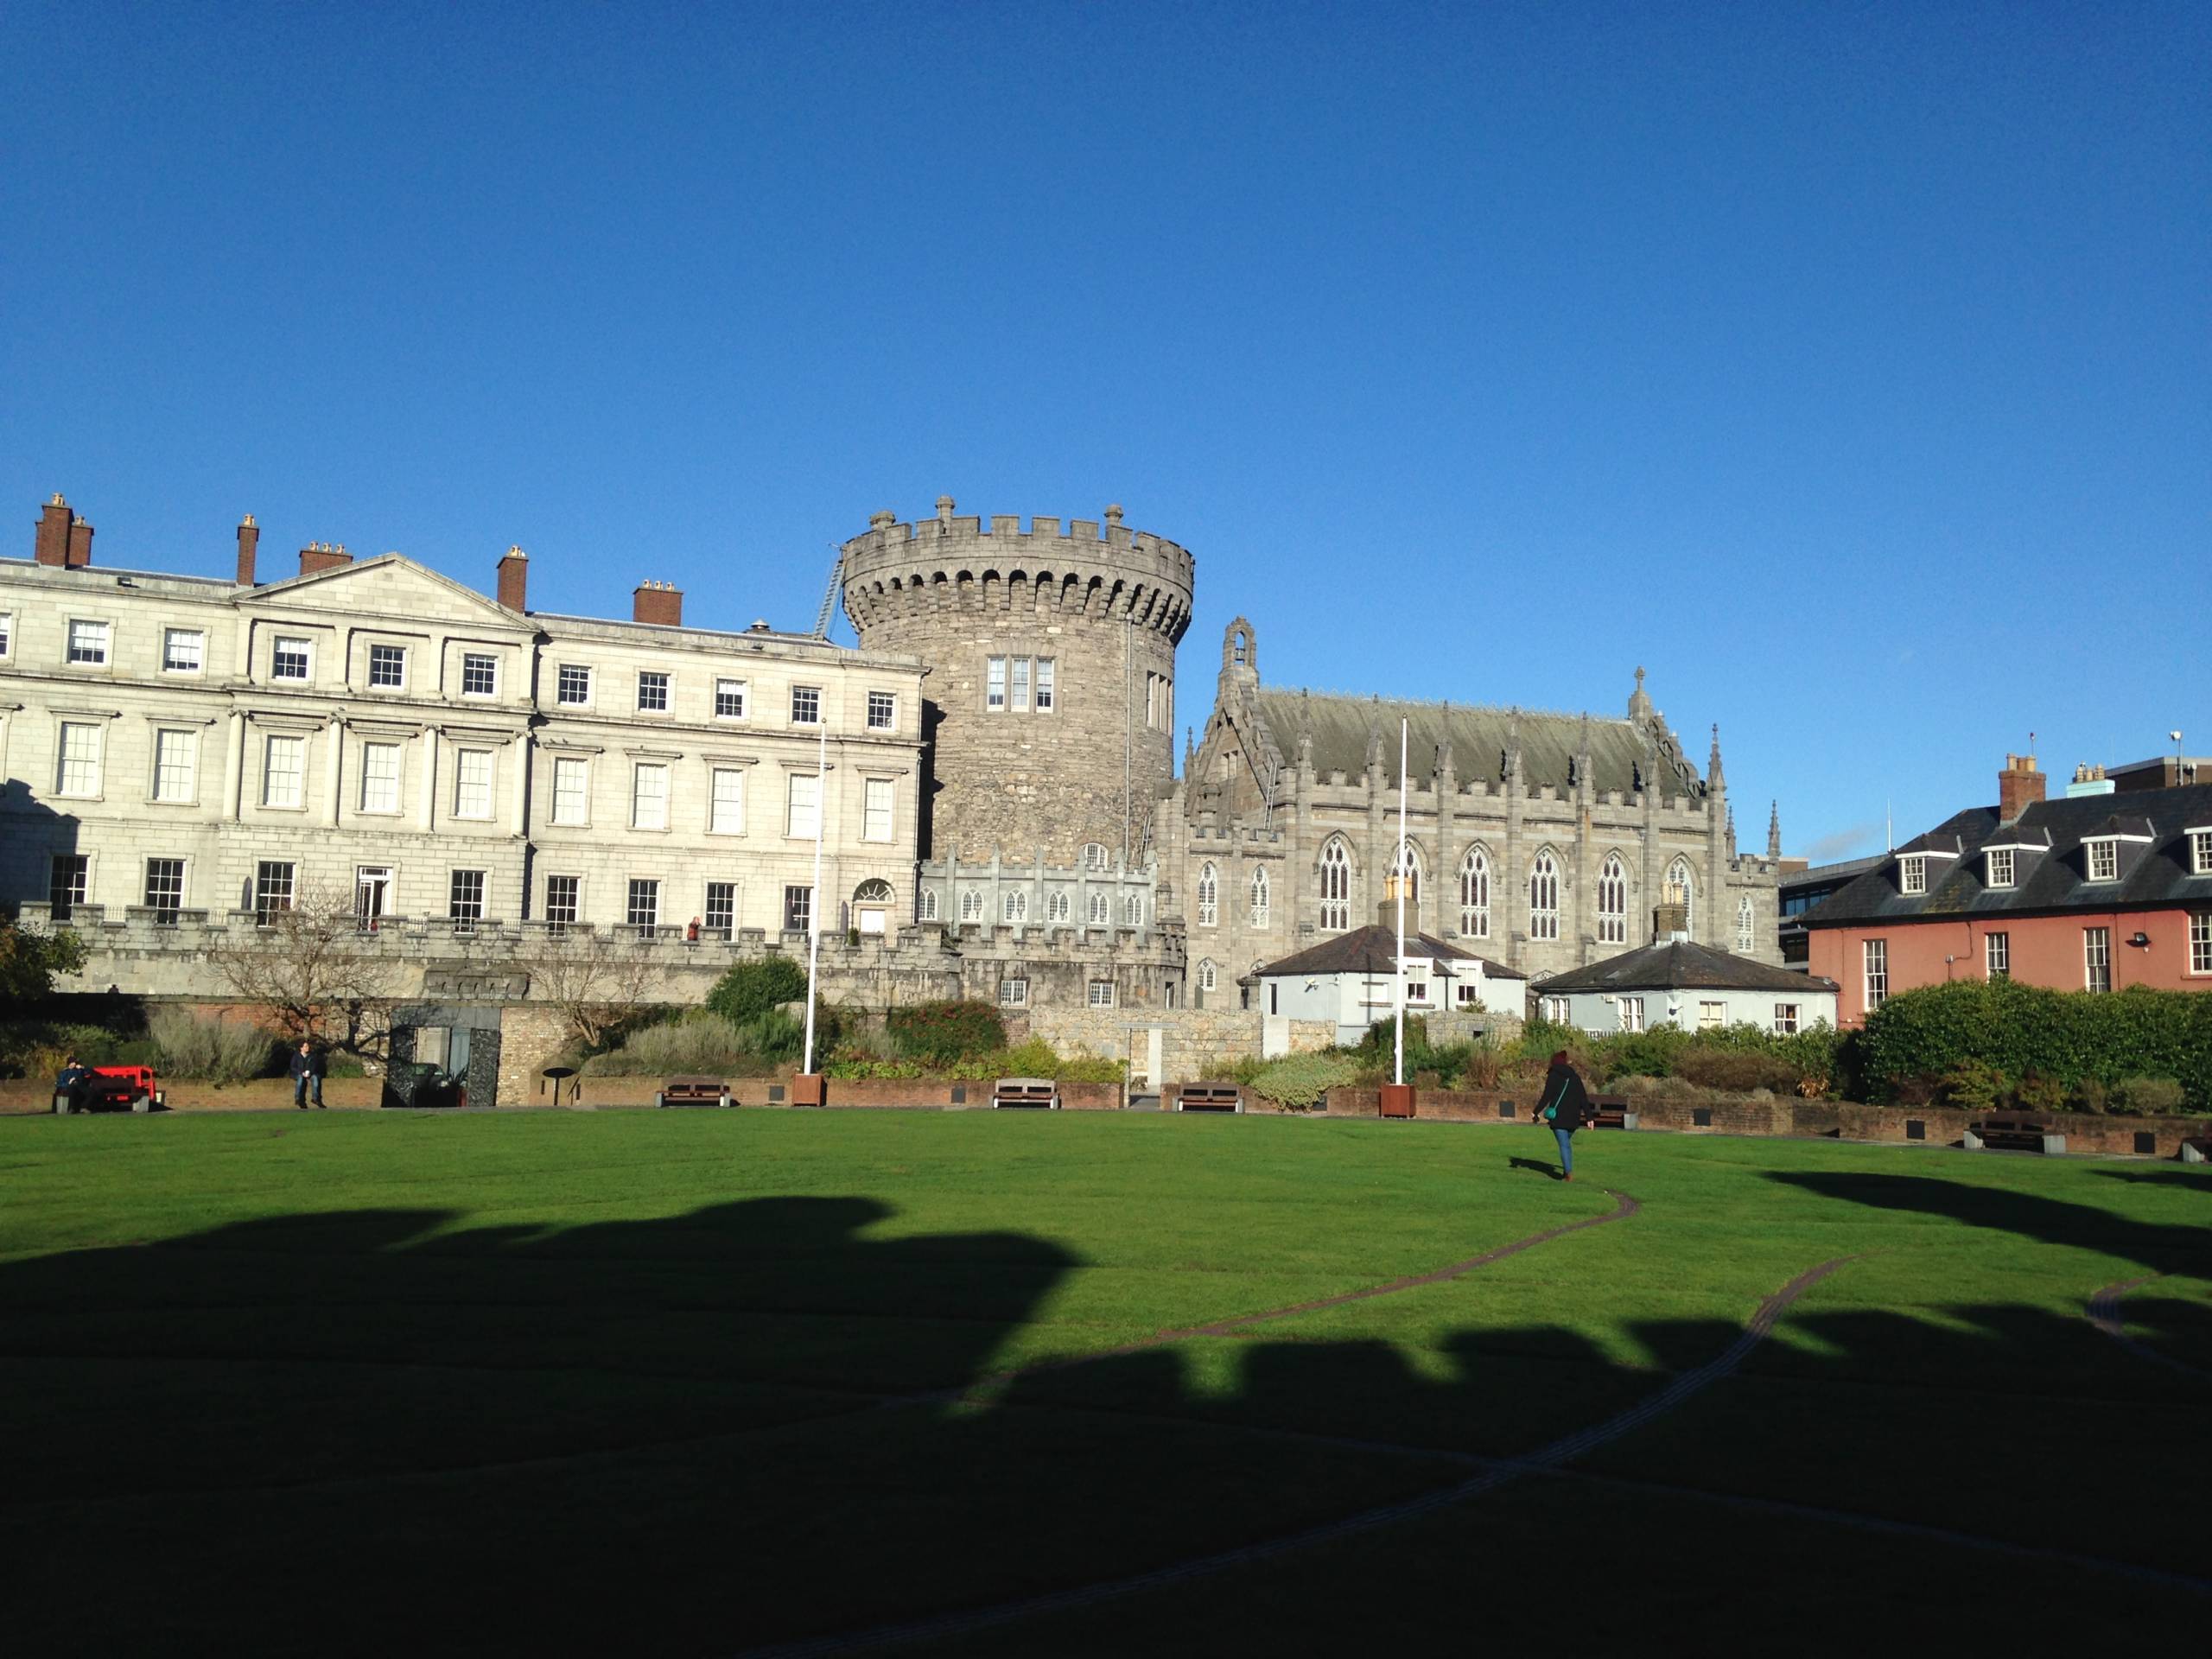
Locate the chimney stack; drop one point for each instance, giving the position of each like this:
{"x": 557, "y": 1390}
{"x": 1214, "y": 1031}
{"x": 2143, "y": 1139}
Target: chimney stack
{"x": 514, "y": 580}
{"x": 320, "y": 556}
{"x": 80, "y": 543}
{"x": 659, "y": 603}
{"x": 51, "y": 543}
{"x": 248, "y": 539}
{"x": 2019, "y": 786}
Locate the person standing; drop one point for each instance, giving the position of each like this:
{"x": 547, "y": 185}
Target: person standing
{"x": 307, "y": 1069}
{"x": 1566, "y": 1109}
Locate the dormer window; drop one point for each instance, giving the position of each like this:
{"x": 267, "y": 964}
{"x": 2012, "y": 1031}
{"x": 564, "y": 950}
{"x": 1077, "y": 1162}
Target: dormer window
{"x": 2200, "y": 852}
{"x": 1912, "y": 873}
{"x": 2000, "y": 867}
{"x": 2103, "y": 854}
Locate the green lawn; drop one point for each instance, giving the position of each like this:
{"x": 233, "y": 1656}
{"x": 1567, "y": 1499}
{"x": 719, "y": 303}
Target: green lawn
{"x": 717, "y": 1381}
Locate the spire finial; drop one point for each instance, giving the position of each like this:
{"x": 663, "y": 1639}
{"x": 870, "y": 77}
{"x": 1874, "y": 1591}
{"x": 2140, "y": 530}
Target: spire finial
{"x": 1774, "y": 830}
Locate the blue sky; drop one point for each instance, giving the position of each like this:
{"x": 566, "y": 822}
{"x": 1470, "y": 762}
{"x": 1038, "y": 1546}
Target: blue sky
{"x": 1850, "y": 367}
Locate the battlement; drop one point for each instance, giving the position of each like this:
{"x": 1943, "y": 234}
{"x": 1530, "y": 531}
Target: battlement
{"x": 903, "y": 571}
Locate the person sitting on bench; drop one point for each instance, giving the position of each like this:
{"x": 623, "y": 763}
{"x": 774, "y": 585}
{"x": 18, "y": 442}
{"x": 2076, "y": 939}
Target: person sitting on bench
{"x": 75, "y": 1083}
{"x": 307, "y": 1068}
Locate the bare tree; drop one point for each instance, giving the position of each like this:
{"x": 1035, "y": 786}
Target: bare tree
{"x": 319, "y": 975}
{"x": 596, "y": 983}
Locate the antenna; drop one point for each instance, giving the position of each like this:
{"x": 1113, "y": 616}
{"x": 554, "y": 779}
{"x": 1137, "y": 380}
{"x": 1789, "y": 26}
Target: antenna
{"x": 829, "y": 594}
{"x": 1889, "y": 825}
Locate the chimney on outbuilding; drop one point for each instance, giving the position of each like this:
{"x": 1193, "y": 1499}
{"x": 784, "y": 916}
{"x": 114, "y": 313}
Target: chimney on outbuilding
{"x": 514, "y": 580}
{"x": 2019, "y": 786}
{"x": 249, "y": 540}
{"x": 321, "y": 555}
{"x": 51, "y": 545}
{"x": 660, "y": 603}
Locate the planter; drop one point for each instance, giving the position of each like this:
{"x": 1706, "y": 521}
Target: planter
{"x": 810, "y": 1089}
{"x": 1397, "y": 1100}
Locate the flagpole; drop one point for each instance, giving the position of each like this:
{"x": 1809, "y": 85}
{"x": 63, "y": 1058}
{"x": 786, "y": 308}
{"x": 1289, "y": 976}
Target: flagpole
{"x": 1404, "y": 867}
{"x": 814, "y": 900}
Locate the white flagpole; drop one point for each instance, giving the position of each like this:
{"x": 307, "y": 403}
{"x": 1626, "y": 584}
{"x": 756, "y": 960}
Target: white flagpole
{"x": 1404, "y": 865}
{"x": 814, "y": 902}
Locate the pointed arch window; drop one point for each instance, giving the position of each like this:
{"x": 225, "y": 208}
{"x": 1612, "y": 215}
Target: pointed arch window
{"x": 1100, "y": 911}
{"x": 1336, "y": 887}
{"x": 1474, "y": 894}
{"x": 1543, "y": 897}
{"x": 971, "y": 904}
{"x": 1207, "y": 974}
{"x": 1407, "y": 865}
{"x": 1209, "y": 895}
{"x": 1680, "y": 891}
{"x": 1746, "y": 923}
{"x": 1612, "y": 901}
{"x": 1013, "y": 904}
{"x": 1259, "y": 909}
{"x": 927, "y": 909}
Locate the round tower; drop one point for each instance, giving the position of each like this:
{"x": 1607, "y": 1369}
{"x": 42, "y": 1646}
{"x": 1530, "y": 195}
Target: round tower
{"x": 1049, "y": 712}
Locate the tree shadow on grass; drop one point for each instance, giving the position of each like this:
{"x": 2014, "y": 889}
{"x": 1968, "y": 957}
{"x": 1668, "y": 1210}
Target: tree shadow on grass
{"x": 376, "y": 1428}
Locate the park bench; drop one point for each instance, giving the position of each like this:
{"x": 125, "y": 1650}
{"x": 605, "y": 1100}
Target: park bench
{"x": 693, "y": 1091}
{"x": 1614, "y": 1112}
{"x": 134, "y": 1086}
{"x": 1209, "y": 1097}
{"x": 1025, "y": 1091}
{"x": 2012, "y": 1134}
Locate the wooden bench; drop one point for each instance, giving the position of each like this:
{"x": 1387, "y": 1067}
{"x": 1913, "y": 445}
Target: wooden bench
{"x": 1040, "y": 1092}
{"x": 1209, "y": 1097}
{"x": 1614, "y": 1112}
{"x": 693, "y": 1091}
{"x": 2012, "y": 1134}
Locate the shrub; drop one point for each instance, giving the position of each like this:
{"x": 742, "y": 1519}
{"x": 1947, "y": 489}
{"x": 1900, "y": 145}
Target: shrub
{"x": 702, "y": 1042}
{"x": 2038, "y": 1093}
{"x": 939, "y": 1032}
{"x": 218, "y": 1050}
{"x": 2087, "y": 1096}
{"x": 1301, "y": 1081}
{"x": 1971, "y": 1086}
{"x": 756, "y": 987}
{"x": 2147, "y": 1096}
{"x": 1737, "y": 1069}
{"x": 1484, "y": 1064}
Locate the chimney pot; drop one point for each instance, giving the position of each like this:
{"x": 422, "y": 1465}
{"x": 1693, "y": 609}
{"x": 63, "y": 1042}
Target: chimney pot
{"x": 320, "y": 556}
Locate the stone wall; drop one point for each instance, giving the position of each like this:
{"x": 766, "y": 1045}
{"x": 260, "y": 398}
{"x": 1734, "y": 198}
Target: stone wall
{"x": 1196, "y": 1043}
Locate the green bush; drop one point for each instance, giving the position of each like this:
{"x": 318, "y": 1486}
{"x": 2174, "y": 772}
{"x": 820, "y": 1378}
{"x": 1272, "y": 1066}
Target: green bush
{"x": 704, "y": 1043}
{"x": 939, "y": 1032}
{"x": 215, "y": 1049}
{"x": 2147, "y": 1096}
{"x": 1971, "y": 1086}
{"x": 1301, "y": 1081}
{"x": 1740, "y": 1070}
{"x": 757, "y": 986}
{"x": 2038, "y": 1093}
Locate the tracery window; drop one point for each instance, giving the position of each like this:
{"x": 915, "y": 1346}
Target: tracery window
{"x": 1543, "y": 897}
{"x": 1206, "y": 974}
{"x": 1474, "y": 894}
{"x": 1745, "y": 924}
{"x": 1208, "y": 896}
{"x": 1259, "y": 911}
{"x": 1612, "y": 902}
{"x": 1405, "y": 866}
{"x": 1336, "y": 887}
{"x": 1680, "y": 891}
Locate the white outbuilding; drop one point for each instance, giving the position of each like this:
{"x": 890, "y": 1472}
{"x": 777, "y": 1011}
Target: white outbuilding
{"x": 1348, "y": 979}
{"x": 1696, "y": 987}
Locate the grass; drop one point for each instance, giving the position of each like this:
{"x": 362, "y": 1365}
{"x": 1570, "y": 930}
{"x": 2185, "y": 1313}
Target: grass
{"x": 621, "y": 1378}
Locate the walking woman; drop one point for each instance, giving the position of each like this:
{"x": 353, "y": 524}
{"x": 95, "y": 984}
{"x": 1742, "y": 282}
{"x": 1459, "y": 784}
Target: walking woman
{"x": 1566, "y": 1107}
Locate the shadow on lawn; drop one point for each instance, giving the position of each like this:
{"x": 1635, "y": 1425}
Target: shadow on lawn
{"x": 371, "y": 1429}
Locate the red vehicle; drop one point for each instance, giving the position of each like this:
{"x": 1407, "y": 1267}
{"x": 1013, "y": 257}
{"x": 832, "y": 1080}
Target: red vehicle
{"x": 114, "y": 1086}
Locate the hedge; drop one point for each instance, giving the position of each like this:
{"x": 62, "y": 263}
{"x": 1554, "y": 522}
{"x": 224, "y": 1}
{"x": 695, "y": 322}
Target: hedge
{"x": 2074, "y": 1037}
{"x": 940, "y": 1032}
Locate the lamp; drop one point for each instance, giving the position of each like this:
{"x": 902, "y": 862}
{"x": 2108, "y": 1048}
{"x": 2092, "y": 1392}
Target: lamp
{"x": 2141, "y": 941}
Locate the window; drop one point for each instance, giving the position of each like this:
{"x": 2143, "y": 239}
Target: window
{"x": 1555, "y": 1010}
{"x": 68, "y": 880}
{"x": 1912, "y": 873}
{"x": 1133, "y": 910}
{"x": 1208, "y": 974}
{"x": 1096, "y": 857}
{"x": 1631, "y": 1012}
{"x": 926, "y": 910}
{"x": 806, "y": 705}
{"x": 379, "y": 777}
{"x": 571, "y": 790}
{"x": 184, "y": 651}
{"x": 388, "y": 666}
{"x": 798, "y": 909}
{"x": 572, "y": 686}
{"x": 561, "y": 896}
{"x": 2096, "y": 958}
{"x": 2200, "y": 844}
{"x": 2200, "y": 942}
{"x": 1258, "y": 913}
{"x": 1100, "y": 912}
{"x": 803, "y": 806}
{"x": 272, "y": 889}
{"x": 1416, "y": 976}
{"x": 722, "y": 909}
{"x": 1336, "y": 887}
{"x": 994, "y": 683}
{"x": 1044, "y": 691}
{"x": 1681, "y": 890}
{"x": 1208, "y": 896}
{"x": 652, "y": 694}
{"x": 2104, "y": 858}
{"x": 1543, "y": 898}
{"x": 291, "y": 659}
{"x": 284, "y": 766}
{"x": 1013, "y": 905}
{"x": 176, "y": 764}
{"x": 1746, "y": 923}
{"x": 1711, "y": 1016}
{"x": 1467, "y": 997}
{"x": 1018, "y": 696}
{"x": 875, "y": 809}
{"x": 1156, "y": 715}
{"x": 165, "y": 889}
{"x": 729, "y": 699}
{"x": 465, "y": 900}
{"x": 1405, "y": 866}
{"x": 1474, "y": 894}
{"x": 1999, "y": 864}
{"x": 1102, "y": 994}
{"x": 480, "y": 674}
{"x": 643, "y": 911}
{"x": 88, "y": 643}
{"x": 1612, "y": 901}
{"x": 7, "y": 631}
{"x": 1013, "y": 993}
{"x": 1875, "y": 959}
{"x": 649, "y": 796}
{"x": 1785, "y": 1019}
{"x": 726, "y": 807}
{"x": 472, "y": 784}
{"x": 1997, "y": 954}
{"x": 77, "y": 769}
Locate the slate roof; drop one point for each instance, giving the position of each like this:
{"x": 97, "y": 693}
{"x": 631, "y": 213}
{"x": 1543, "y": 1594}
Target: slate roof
{"x": 1341, "y": 727}
{"x": 1374, "y": 950}
{"x": 1679, "y": 965}
{"x": 2153, "y": 877}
